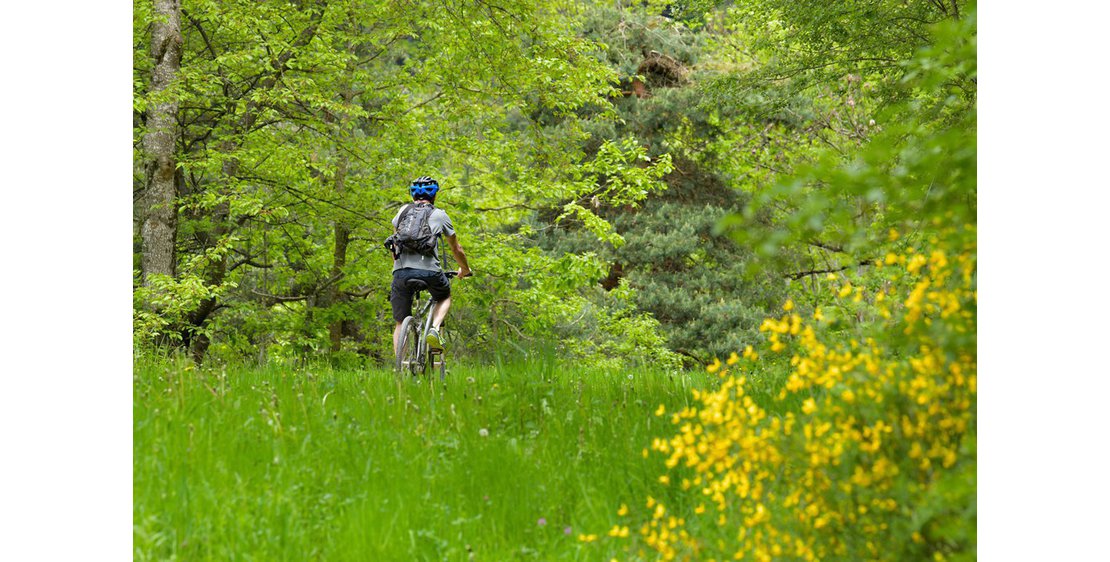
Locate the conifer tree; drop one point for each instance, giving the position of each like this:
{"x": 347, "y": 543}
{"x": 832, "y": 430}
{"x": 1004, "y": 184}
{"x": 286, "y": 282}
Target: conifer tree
{"x": 695, "y": 283}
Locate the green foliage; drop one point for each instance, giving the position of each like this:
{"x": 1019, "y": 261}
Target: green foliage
{"x": 692, "y": 282}
{"x": 944, "y": 518}
{"x": 302, "y": 125}
{"x": 537, "y": 300}
{"x": 164, "y": 304}
{"x": 918, "y": 170}
{"x": 617, "y": 334}
{"x": 615, "y": 177}
{"x": 791, "y": 47}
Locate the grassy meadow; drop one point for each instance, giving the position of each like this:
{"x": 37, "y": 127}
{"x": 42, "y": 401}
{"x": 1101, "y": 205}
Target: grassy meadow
{"x": 511, "y": 462}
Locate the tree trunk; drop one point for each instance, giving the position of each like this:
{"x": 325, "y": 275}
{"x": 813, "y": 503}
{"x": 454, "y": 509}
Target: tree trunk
{"x": 159, "y": 231}
{"x": 339, "y": 258}
{"x": 342, "y": 231}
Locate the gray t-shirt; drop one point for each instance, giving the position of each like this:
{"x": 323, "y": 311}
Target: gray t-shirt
{"x": 440, "y": 224}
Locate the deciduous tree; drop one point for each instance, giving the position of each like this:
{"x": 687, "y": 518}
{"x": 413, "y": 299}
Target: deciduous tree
{"x": 159, "y": 143}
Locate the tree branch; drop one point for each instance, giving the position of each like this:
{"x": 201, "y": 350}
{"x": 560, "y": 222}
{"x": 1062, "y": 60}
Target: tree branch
{"x": 507, "y": 207}
{"x": 824, "y": 246}
{"x": 800, "y": 274}
{"x": 250, "y": 262}
{"x": 203, "y": 34}
{"x": 274, "y": 299}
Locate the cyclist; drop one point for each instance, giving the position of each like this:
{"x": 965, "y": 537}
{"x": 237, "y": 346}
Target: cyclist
{"x": 411, "y": 265}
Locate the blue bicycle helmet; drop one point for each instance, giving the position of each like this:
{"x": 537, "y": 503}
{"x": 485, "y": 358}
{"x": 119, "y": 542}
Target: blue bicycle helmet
{"x": 424, "y": 187}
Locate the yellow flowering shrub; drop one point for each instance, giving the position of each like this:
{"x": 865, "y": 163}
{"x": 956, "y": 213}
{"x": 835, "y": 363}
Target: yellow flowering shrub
{"x": 850, "y": 433}
{"x": 846, "y": 458}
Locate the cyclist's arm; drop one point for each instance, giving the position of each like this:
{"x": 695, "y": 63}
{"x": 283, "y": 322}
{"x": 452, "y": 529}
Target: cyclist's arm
{"x": 460, "y": 257}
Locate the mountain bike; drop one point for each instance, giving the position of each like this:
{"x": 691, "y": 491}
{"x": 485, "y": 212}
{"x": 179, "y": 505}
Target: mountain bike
{"x": 414, "y": 356}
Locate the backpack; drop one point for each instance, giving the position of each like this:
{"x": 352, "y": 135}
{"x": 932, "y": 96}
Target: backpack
{"x": 413, "y": 233}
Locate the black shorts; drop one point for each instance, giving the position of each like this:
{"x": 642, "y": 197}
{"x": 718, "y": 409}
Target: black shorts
{"x": 400, "y": 296}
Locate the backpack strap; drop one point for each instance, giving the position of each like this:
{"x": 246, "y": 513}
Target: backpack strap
{"x": 405, "y": 209}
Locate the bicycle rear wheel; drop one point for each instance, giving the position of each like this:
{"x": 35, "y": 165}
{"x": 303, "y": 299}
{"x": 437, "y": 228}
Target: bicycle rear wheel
{"x": 409, "y": 359}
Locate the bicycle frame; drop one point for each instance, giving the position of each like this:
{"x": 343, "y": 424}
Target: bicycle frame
{"x": 427, "y": 310}
{"x": 424, "y": 359}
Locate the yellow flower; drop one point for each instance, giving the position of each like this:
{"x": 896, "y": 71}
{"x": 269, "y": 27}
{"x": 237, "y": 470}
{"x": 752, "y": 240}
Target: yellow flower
{"x": 623, "y": 510}
{"x": 949, "y": 458}
{"x": 587, "y": 538}
{"x": 809, "y": 406}
{"x": 788, "y": 305}
{"x": 733, "y": 358}
{"x": 715, "y": 366}
{"x": 662, "y": 410}
{"x": 750, "y": 354}
{"x": 916, "y": 262}
{"x": 845, "y": 290}
{"x": 618, "y": 531}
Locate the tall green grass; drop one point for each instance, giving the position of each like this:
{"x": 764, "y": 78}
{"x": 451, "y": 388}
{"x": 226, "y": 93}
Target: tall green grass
{"x": 508, "y": 462}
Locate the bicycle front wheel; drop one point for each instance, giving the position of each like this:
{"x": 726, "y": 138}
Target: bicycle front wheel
{"x": 408, "y": 349}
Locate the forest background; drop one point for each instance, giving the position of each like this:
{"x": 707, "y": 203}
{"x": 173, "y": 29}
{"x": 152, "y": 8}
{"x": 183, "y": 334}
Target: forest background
{"x": 595, "y": 158}
{"x": 1063, "y": 447}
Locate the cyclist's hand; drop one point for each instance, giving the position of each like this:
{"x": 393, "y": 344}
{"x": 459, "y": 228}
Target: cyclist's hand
{"x": 464, "y": 273}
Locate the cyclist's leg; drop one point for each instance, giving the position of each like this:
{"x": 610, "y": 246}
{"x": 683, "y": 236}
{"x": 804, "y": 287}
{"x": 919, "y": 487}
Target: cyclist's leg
{"x": 396, "y": 337}
{"x": 400, "y": 299}
{"x": 440, "y": 312}
{"x": 440, "y": 289}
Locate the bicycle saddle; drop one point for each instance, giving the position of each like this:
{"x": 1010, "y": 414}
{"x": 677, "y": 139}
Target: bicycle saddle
{"x": 416, "y": 284}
